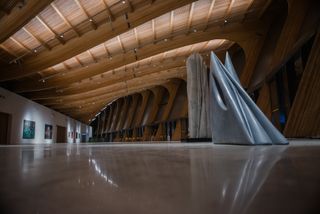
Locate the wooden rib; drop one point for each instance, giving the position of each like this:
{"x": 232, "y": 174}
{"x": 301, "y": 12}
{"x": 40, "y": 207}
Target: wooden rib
{"x": 235, "y": 31}
{"x": 90, "y": 54}
{"x": 247, "y": 10}
{"x": 136, "y": 37}
{"x": 50, "y": 30}
{"x": 10, "y": 24}
{"x": 89, "y": 40}
{"x": 120, "y": 43}
{"x": 229, "y": 9}
{"x": 110, "y": 15}
{"x": 153, "y": 31}
{"x": 66, "y": 66}
{"x": 8, "y": 50}
{"x": 78, "y": 60}
{"x": 36, "y": 38}
{"x": 129, "y": 6}
{"x": 64, "y": 19}
{"x": 209, "y": 14}
{"x": 20, "y": 44}
{"x": 171, "y": 21}
{"x": 190, "y": 16}
{"x": 89, "y": 97}
{"x": 93, "y": 24}
{"x": 106, "y": 50}
{"x": 265, "y": 7}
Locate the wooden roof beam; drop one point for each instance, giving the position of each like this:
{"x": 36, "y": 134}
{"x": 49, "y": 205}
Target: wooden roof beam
{"x": 64, "y": 18}
{"x": 36, "y": 38}
{"x": 58, "y": 37}
{"x": 88, "y": 40}
{"x": 264, "y": 8}
{"x": 110, "y": 15}
{"x": 78, "y": 61}
{"x": 229, "y": 9}
{"x": 13, "y": 22}
{"x": 190, "y": 17}
{"x": 209, "y": 14}
{"x": 154, "y": 31}
{"x": 91, "y": 55}
{"x": 171, "y": 21}
{"x": 8, "y": 50}
{"x": 121, "y": 45}
{"x": 145, "y": 80}
{"x": 136, "y": 37}
{"x": 232, "y": 31}
{"x": 247, "y": 10}
{"x": 106, "y": 50}
{"x": 128, "y": 3}
{"x": 21, "y": 45}
{"x": 93, "y": 23}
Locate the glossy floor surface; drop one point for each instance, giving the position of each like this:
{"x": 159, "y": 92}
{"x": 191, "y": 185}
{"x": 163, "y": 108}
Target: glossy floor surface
{"x": 161, "y": 178}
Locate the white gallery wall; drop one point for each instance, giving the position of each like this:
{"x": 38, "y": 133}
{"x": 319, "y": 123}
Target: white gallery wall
{"x": 22, "y": 109}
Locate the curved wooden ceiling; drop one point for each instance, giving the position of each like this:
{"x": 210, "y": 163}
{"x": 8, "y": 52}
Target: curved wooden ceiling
{"x": 75, "y": 56}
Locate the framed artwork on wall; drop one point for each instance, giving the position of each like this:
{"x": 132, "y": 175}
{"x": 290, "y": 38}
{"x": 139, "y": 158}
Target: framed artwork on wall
{"x": 47, "y": 131}
{"x": 28, "y": 129}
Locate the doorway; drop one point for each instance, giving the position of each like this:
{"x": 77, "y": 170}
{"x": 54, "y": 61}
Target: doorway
{"x": 61, "y": 134}
{"x": 5, "y": 123}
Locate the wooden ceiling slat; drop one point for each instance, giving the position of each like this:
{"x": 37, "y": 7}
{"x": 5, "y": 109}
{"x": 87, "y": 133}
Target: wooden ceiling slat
{"x": 109, "y": 13}
{"x": 8, "y": 50}
{"x": 58, "y": 37}
{"x": 108, "y": 60}
{"x": 11, "y": 23}
{"x": 92, "y": 38}
{"x": 36, "y": 38}
{"x": 136, "y": 37}
{"x": 142, "y": 67}
{"x": 92, "y": 22}
{"x": 64, "y": 19}
{"x": 21, "y": 44}
{"x": 209, "y": 14}
{"x": 190, "y": 17}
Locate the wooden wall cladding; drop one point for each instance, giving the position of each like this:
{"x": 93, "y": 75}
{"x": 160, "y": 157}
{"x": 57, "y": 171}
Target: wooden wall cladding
{"x": 304, "y": 117}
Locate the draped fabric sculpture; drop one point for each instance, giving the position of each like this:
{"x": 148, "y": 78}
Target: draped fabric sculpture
{"x": 234, "y": 117}
{"x": 198, "y": 97}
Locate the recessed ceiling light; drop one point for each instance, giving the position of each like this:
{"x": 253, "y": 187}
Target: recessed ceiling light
{"x": 165, "y": 39}
{"x": 35, "y": 50}
{"x": 194, "y": 30}
{"x": 90, "y": 20}
{"x": 225, "y": 21}
{"x": 123, "y": 2}
{"x": 61, "y": 35}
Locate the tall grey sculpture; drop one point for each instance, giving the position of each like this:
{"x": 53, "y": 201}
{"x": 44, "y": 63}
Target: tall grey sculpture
{"x": 198, "y": 97}
{"x": 235, "y": 119}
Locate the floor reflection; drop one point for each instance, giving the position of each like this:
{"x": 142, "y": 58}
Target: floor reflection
{"x": 177, "y": 178}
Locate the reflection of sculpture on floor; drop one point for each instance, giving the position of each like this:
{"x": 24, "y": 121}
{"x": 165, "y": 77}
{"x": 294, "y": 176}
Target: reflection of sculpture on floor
{"x": 234, "y": 116}
{"x": 198, "y": 97}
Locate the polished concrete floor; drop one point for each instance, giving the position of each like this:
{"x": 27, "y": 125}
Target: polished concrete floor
{"x": 160, "y": 178}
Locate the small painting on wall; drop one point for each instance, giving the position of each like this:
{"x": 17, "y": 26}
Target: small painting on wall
{"x": 48, "y": 131}
{"x": 28, "y": 129}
